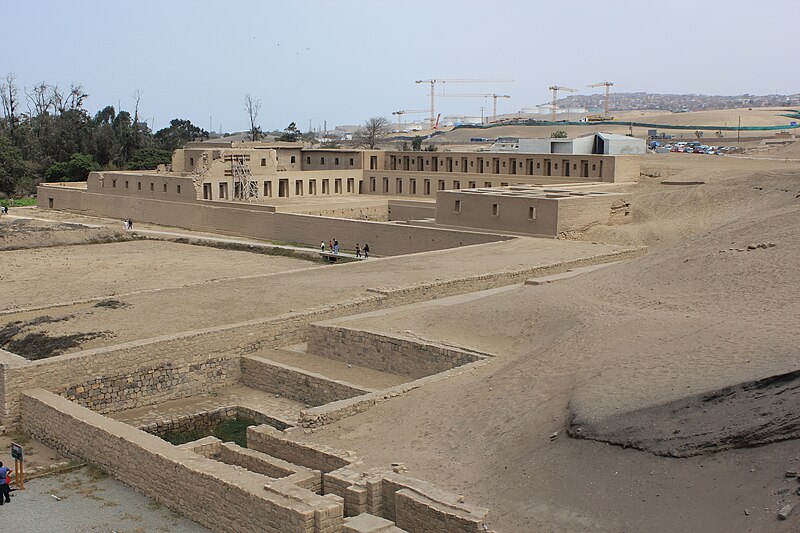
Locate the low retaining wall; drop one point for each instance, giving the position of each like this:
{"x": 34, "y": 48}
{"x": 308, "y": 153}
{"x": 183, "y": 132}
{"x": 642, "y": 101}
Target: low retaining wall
{"x": 294, "y": 383}
{"x": 218, "y": 496}
{"x": 396, "y": 355}
{"x": 208, "y": 420}
{"x": 314, "y": 456}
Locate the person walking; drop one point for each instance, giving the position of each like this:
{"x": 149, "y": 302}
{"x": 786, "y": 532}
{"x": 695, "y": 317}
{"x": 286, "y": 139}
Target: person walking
{"x": 335, "y": 246}
{"x": 322, "y": 246}
{"x": 330, "y": 246}
{"x": 358, "y": 251}
{"x": 366, "y": 250}
{"x": 5, "y": 490}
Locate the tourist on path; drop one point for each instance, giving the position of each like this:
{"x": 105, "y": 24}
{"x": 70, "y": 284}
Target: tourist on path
{"x": 322, "y": 246}
{"x": 335, "y": 246}
{"x": 358, "y": 251}
{"x": 366, "y": 250}
{"x": 330, "y": 246}
{"x": 5, "y": 491}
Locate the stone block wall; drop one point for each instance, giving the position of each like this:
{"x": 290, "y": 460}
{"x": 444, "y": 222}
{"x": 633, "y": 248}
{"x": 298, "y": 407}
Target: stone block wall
{"x": 294, "y": 383}
{"x": 269, "y": 440}
{"x": 169, "y": 367}
{"x": 218, "y": 496}
{"x": 395, "y": 355}
{"x": 415, "y": 512}
{"x": 208, "y": 420}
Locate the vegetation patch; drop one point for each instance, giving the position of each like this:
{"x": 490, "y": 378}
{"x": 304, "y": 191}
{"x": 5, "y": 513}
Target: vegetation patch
{"x": 234, "y": 430}
{"x": 39, "y": 345}
{"x": 112, "y": 304}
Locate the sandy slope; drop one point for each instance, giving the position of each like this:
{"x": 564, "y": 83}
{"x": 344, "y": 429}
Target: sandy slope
{"x": 692, "y": 316}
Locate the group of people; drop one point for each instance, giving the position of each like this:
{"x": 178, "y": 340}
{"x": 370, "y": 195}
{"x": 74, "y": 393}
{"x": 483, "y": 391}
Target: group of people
{"x": 129, "y": 224}
{"x": 5, "y": 484}
{"x": 3, "y": 209}
{"x": 333, "y": 248}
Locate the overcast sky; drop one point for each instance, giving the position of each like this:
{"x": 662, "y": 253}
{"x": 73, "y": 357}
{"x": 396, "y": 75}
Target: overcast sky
{"x": 345, "y": 61}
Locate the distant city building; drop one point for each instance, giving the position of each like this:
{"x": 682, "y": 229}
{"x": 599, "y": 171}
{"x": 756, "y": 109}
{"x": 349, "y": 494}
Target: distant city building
{"x": 599, "y": 143}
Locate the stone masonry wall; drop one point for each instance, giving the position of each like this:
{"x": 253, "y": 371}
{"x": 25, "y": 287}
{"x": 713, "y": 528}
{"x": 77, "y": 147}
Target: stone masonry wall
{"x": 294, "y": 383}
{"x": 140, "y": 373}
{"x": 218, "y": 496}
{"x": 314, "y": 456}
{"x": 395, "y": 355}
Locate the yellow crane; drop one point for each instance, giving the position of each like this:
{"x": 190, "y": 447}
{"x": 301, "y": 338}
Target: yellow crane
{"x": 607, "y": 85}
{"x": 434, "y": 81}
{"x": 554, "y": 105}
{"x": 493, "y": 96}
{"x": 407, "y": 112}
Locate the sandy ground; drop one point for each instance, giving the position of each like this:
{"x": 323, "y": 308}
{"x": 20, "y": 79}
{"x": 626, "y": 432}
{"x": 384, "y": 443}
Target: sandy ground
{"x": 89, "y": 501}
{"x": 124, "y": 268}
{"x": 171, "y": 310}
{"x": 693, "y": 315}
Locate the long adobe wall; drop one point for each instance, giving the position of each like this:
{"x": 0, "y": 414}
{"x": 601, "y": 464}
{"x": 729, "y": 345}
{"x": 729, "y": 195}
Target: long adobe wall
{"x": 246, "y": 220}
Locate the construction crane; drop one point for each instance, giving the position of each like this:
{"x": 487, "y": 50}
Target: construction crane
{"x": 493, "y": 96}
{"x": 607, "y": 85}
{"x": 407, "y": 112}
{"x": 433, "y": 83}
{"x": 554, "y": 105}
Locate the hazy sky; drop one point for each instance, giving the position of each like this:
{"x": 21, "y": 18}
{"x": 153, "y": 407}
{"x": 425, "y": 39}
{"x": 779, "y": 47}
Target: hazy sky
{"x": 344, "y": 61}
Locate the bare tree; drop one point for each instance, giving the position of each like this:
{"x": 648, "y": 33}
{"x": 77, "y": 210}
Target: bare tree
{"x": 42, "y": 98}
{"x": 372, "y": 132}
{"x": 253, "y": 106}
{"x": 8, "y": 98}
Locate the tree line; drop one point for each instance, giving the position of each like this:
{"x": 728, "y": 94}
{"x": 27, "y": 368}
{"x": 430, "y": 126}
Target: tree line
{"x": 47, "y": 134}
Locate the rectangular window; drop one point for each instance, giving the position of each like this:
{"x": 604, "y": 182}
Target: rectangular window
{"x": 321, "y": 160}
{"x": 413, "y": 186}
{"x": 138, "y": 185}
{"x": 191, "y": 161}
{"x": 351, "y": 184}
{"x": 221, "y": 190}
{"x": 312, "y": 187}
{"x": 456, "y": 184}
{"x": 206, "y": 191}
{"x": 326, "y": 188}
{"x": 338, "y": 184}
{"x": 336, "y": 161}
{"x": 495, "y": 210}
{"x": 531, "y": 213}
{"x": 487, "y": 183}
{"x": 441, "y": 185}
{"x": 427, "y": 186}
{"x": 398, "y": 186}
{"x": 165, "y": 187}
{"x": 351, "y": 162}
{"x": 178, "y": 189}
{"x": 292, "y": 160}
{"x": 126, "y": 184}
{"x": 308, "y": 160}
{"x": 152, "y": 187}
{"x": 594, "y": 167}
{"x": 298, "y": 188}
{"x": 114, "y": 184}
{"x": 372, "y": 184}
{"x": 472, "y": 184}
{"x": 268, "y": 189}
{"x": 458, "y": 206}
{"x": 386, "y": 185}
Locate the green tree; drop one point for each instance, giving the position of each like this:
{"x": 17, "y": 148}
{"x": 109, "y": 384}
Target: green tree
{"x": 290, "y": 134}
{"x": 76, "y": 169}
{"x": 149, "y": 157}
{"x": 178, "y": 133}
{"x": 13, "y": 170}
{"x": 416, "y": 143}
